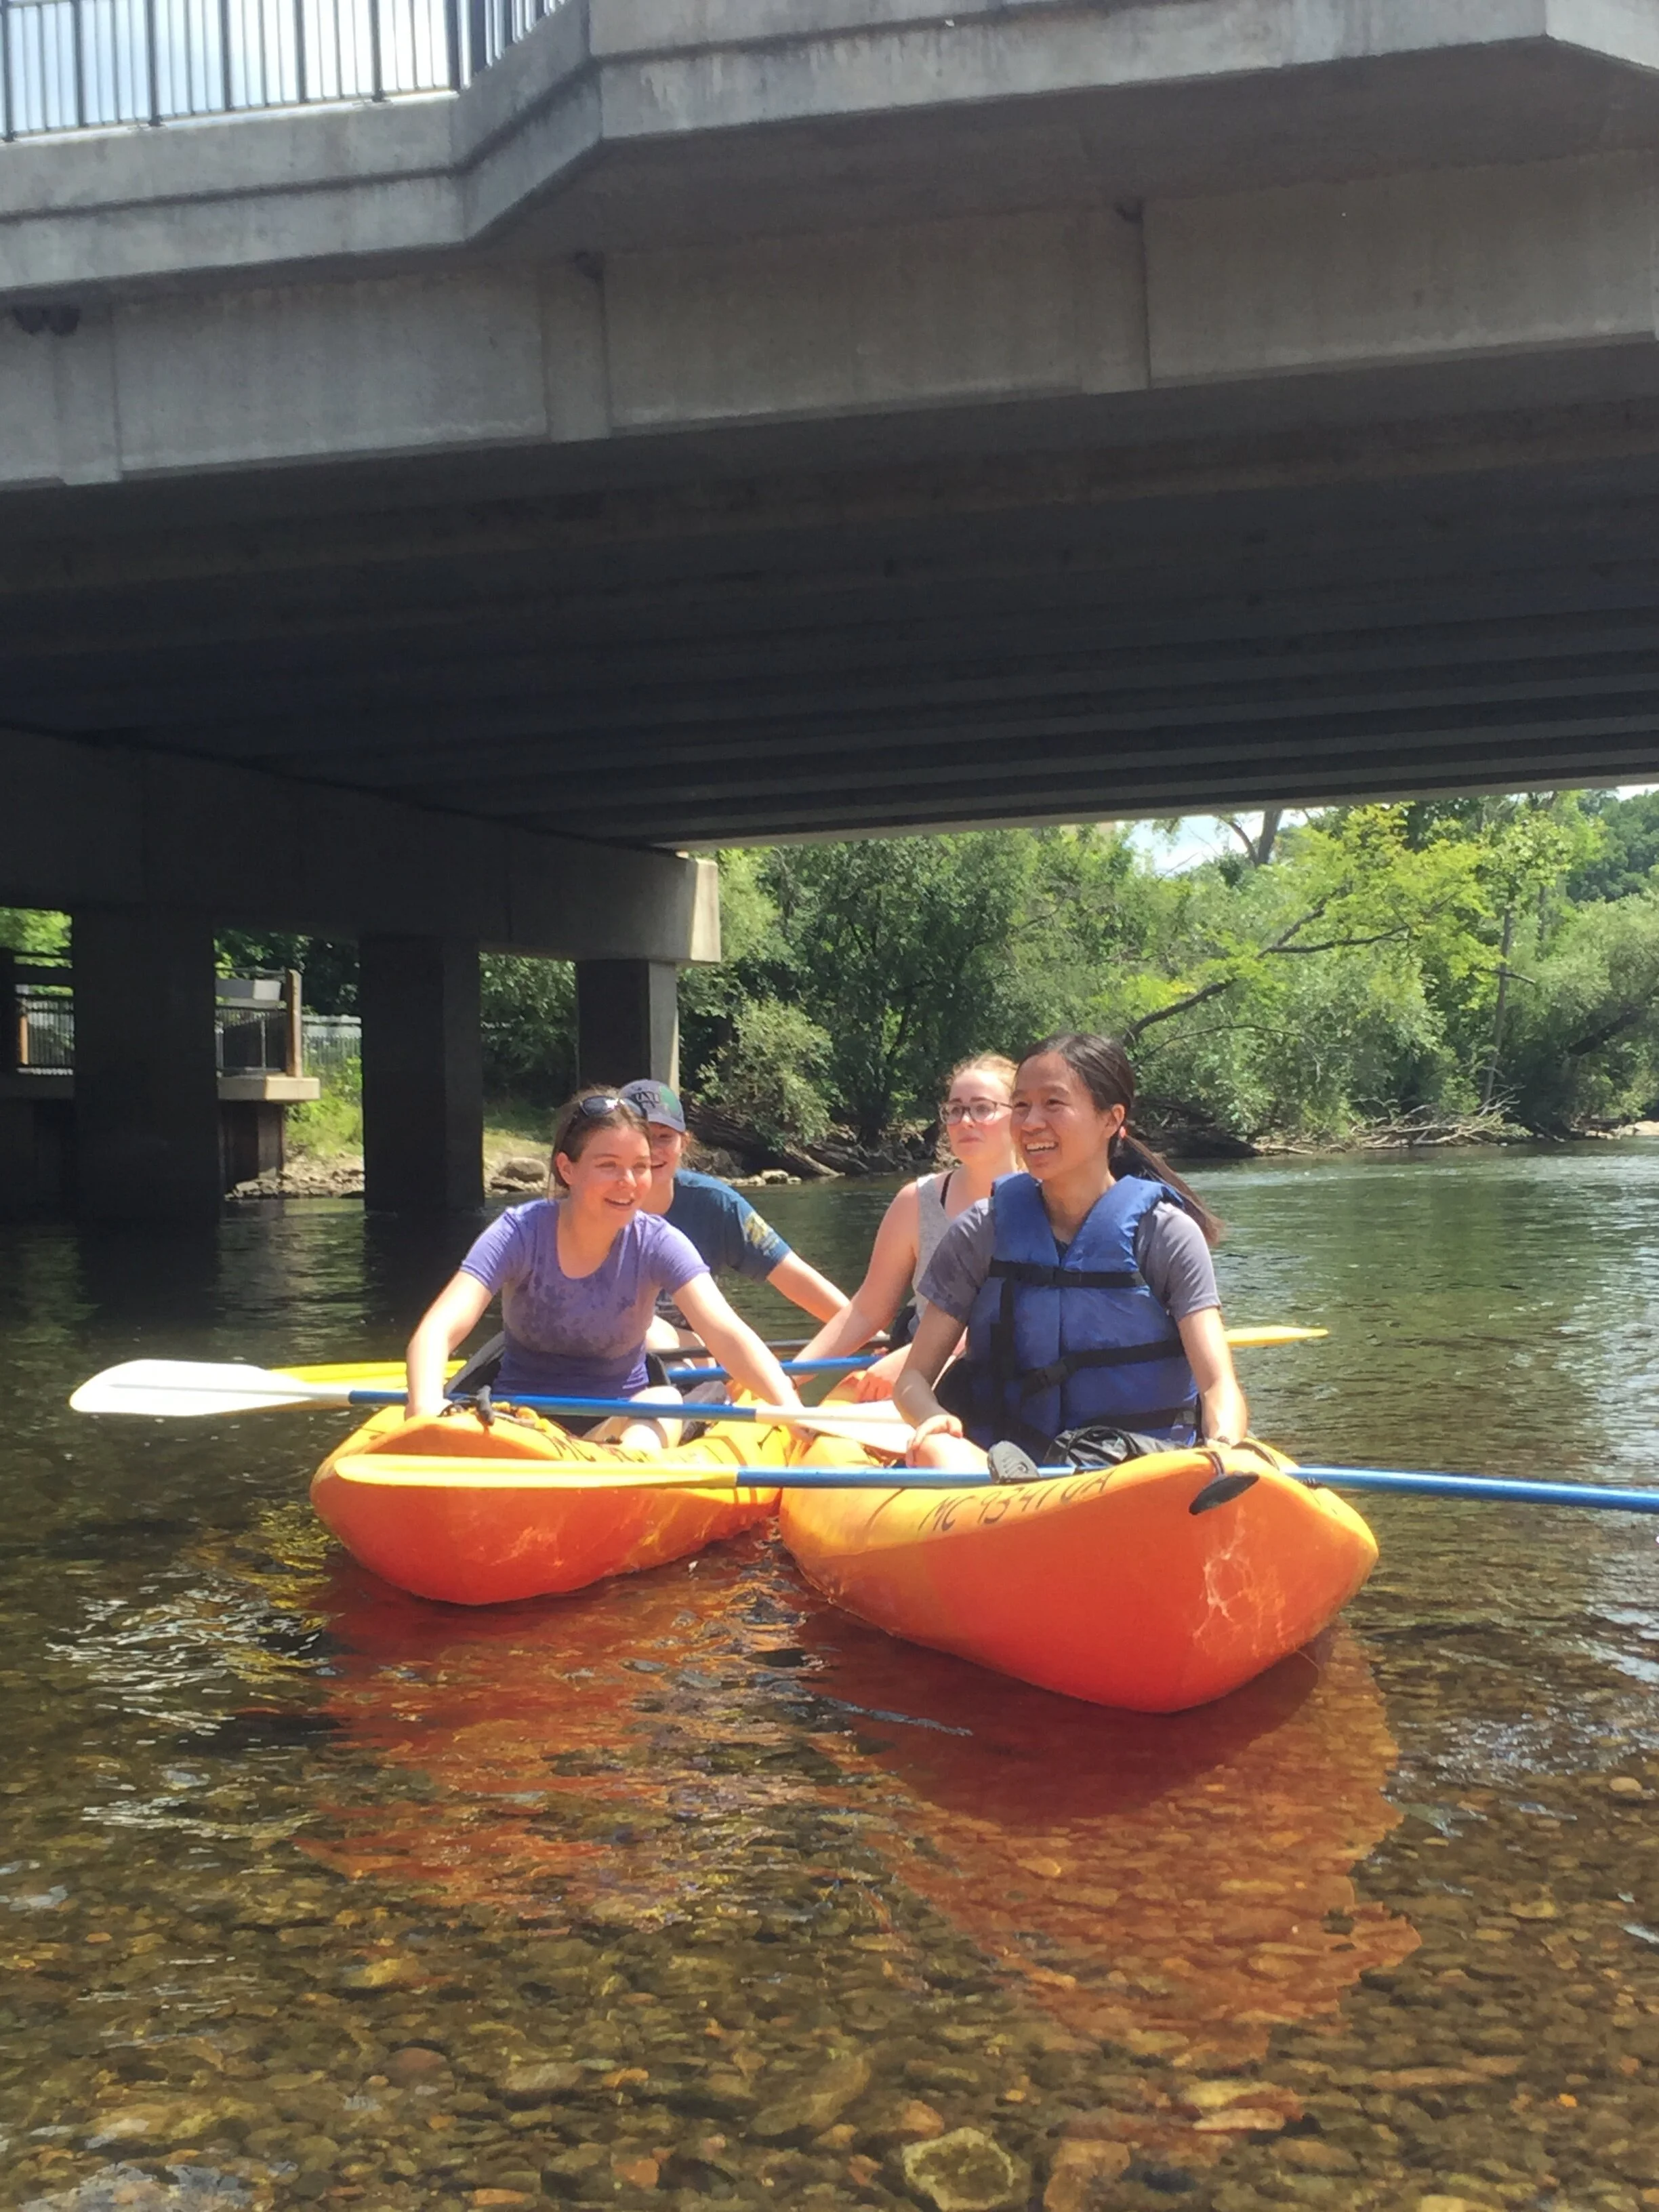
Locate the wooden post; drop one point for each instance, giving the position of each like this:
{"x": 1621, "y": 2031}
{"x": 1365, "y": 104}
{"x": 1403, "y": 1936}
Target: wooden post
{"x": 293, "y": 1000}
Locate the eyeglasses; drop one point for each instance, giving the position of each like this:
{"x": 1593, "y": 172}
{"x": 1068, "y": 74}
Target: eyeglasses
{"x": 971, "y": 1110}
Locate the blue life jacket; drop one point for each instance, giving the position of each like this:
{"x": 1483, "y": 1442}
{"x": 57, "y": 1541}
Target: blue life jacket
{"x": 1055, "y": 1343}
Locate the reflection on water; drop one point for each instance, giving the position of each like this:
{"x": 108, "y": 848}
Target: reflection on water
{"x": 1113, "y": 1862}
{"x": 690, "y": 1891}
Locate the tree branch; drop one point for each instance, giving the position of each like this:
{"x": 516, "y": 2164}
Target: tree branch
{"x": 1615, "y": 1026}
{"x": 1132, "y": 1030}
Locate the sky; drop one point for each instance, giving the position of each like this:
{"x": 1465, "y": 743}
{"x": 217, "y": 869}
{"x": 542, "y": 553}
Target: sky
{"x": 1196, "y": 838}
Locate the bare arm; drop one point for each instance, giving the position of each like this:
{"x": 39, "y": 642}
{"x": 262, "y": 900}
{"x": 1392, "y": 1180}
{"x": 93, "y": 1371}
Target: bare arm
{"x": 804, "y": 1286}
{"x": 457, "y": 1310}
{"x": 937, "y": 1336}
{"x": 733, "y": 1343}
{"x": 880, "y": 1294}
{"x": 1225, "y": 1416}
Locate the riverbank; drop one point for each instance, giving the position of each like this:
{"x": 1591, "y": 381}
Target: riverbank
{"x": 515, "y": 1164}
{"x": 513, "y": 1169}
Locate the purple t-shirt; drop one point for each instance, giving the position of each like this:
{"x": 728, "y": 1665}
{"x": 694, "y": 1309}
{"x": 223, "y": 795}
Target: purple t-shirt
{"x": 577, "y": 1336}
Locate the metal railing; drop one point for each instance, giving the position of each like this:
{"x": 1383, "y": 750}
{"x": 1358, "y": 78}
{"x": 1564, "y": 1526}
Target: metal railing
{"x": 334, "y": 1048}
{"x": 256, "y": 1029}
{"x": 45, "y": 1032}
{"x": 96, "y": 64}
{"x": 251, "y": 1040}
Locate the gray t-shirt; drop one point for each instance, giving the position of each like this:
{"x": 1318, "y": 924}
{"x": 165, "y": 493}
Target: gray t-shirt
{"x": 1170, "y": 1251}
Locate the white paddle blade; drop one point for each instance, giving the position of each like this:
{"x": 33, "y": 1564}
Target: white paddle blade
{"x": 878, "y": 1427}
{"x": 188, "y": 1388}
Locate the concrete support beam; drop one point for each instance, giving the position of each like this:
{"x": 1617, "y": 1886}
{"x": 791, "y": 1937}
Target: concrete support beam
{"x": 628, "y": 1021}
{"x": 146, "y": 1091}
{"x": 423, "y": 1074}
{"x": 81, "y": 824}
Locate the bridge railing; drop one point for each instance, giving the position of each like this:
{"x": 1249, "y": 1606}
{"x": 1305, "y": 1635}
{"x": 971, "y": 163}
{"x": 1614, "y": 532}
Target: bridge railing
{"x": 96, "y": 64}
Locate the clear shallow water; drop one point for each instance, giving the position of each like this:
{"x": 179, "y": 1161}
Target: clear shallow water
{"x": 690, "y": 1891}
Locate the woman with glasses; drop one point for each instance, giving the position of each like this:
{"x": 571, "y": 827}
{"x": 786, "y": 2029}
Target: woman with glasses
{"x": 579, "y": 1279}
{"x": 976, "y": 1116}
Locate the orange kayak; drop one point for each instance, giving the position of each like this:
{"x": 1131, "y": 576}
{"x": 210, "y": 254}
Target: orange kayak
{"x": 1106, "y": 1587}
{"x": 474, "y": 1541}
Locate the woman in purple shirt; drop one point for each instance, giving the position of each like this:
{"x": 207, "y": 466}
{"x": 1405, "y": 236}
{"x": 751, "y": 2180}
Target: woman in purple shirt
{"x": 578, "y": 1280}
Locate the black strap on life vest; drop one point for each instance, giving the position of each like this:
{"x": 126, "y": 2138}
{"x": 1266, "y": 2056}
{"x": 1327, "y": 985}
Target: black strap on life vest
{"x": 1028, "y": 1382}
{"x": 1037, "y": 1277}
{"x": 1058, "y": 1372}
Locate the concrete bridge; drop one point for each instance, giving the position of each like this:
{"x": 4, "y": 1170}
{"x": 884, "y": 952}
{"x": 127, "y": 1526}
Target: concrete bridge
{"x": 735, "y": 419}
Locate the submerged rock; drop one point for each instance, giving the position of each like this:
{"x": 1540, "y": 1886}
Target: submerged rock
{"x": 130, "y": 2188}
{"x": 533, "y": 2082}
{"x": 170, "y": 2126}
{"x": 416, "y": 2062}
{"x": 1079, "y": 2169}
{"x": 814, "y": 2104}
{"x": 965, "y": 2171}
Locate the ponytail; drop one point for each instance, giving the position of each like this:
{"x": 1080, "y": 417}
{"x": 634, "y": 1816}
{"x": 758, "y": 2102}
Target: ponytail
{"x": 1102, "y": 1066}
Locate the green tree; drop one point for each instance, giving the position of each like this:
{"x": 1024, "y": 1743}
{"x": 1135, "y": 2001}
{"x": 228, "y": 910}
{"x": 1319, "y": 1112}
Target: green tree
{"x": 327, "y": 966}
{"x": 902, "y": 951}
{"x": 772, "y": 1073}
{"x": 1624, "y": 855}
{"x": 529, "y": 1015}
{"x": 33, "y": 930}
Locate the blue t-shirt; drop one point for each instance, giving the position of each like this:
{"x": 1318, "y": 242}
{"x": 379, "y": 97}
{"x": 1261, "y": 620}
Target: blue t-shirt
{"x": 724, "y": 1226}
{"x": 580, "y": 1336}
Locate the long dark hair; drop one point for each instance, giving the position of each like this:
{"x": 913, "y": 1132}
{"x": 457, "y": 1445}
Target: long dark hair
{"x": 1102, "y": 1066}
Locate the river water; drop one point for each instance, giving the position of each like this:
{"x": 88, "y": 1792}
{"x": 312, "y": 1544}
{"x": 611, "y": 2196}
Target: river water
{"x": 689, "y": 1892}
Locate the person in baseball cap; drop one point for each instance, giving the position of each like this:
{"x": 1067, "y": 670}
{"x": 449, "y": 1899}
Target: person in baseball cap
{"x": 728, "y": 1232}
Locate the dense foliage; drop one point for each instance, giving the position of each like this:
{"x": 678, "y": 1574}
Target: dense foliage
{"x": 1358, "y": 966}
{"x": 1354, "y": 966}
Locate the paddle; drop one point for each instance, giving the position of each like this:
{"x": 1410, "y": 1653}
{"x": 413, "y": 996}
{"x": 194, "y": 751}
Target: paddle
{"x": 711, "y": 1374}
{"x": 1481, "y": 1486}
{"x": 390, "y": 1468}
{"x": 1240, "y": 1338}
{"x": 184, "y": 1388}
{"x": 361, "y": 1373}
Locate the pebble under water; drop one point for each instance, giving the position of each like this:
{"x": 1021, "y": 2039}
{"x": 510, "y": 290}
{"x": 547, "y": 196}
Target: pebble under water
{"x": 689, "y": 1892}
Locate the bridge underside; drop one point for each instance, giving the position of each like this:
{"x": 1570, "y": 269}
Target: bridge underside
{"x": 708, "y": 641}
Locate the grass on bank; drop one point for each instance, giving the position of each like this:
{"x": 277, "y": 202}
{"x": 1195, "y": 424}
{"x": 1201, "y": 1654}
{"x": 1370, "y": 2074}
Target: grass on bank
{"x": 329, "y": 1130}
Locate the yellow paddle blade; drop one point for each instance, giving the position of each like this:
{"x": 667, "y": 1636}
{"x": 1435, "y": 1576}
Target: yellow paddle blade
{"x": 1256, "y": 1340}
{"x": 392, "y": 1470}
{"x": 363, "y": 1374}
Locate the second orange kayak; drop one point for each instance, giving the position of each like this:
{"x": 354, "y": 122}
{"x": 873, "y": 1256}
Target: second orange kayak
{"x": 1106, "y": 1587}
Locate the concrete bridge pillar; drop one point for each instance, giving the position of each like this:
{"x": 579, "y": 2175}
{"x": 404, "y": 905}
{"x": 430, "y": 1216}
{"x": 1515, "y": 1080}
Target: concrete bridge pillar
{"x": 146, "y": 1084}
{"x": 628, "y": 1021}
{"x": 423, "y": 1074}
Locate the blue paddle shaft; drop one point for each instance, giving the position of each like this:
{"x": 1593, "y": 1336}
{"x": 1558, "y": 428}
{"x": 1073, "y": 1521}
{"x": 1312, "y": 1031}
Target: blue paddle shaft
{"x": 1477, "y": 1486}
{"x": 1483, "y": 1486}
{"x": 1334, "y": 1478}
{"x": 789, "y": 1366}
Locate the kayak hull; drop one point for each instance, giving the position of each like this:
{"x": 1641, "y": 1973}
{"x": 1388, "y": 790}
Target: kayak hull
{"x": 1106, "y": 1587}
{"x": 470, "y": 1543}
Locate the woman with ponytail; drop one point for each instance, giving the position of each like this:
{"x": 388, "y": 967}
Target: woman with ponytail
{"x": 1086, "y": 1284}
